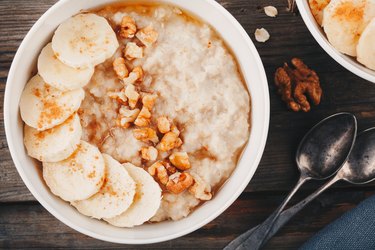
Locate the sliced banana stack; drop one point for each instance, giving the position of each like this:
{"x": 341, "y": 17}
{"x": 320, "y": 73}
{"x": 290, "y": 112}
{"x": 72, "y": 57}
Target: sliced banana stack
{"x": 96, "y": 184}
{"x": 84, "y": 40}
{"x": 78, "y": 177}
{"x": 366, "y": 46}
{"x": 116, "y": 195}
{"x": 146, "y": 201}
{"x": 43, "y": 107}
{"x": 344, "y": 22}
{"x": 60, "y": 75}
{"x": 55, "y": 144}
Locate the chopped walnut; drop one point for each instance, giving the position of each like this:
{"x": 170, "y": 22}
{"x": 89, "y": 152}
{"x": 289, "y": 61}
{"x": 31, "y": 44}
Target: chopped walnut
{"x": 132, "y": 95}
{"x": 135, "y": 76}
{"x": 200, "y": 189}
{"x": 139, "y": 72}
{"x": 148, "y": 101}
{"x": 295, "y": 84}
{"x": 149, "y": 153}
{"x": 178, "y": 143}
{"x": 168, "y": 141}
{"x": 144, "y": 118}
{"x": 180, "y": 160}
{"x": 179, "y": 182}
{"x": 164, "y": 125}
{"x": 175, "y": 130}
{"x": 120, "y": 68}
{"x": 146, "y": 134}
{"x": 132, "y": 51}
{"x": 159, "y": 170}
{"x": 127, "y": 116}
{"x": 147, "y": 36}
{"x": 119, "y": 96}
{"x": 128, "y": 27}
{"x": 170, "y": 169}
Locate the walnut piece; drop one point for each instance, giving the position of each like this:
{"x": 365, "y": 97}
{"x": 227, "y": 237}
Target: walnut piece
{"x": 132, "y": 51}
{"x": 179, "y": 182}
{"x": 148, "y": 101}
{"x": 164, "y": 125}
{"x": 170, "y": 169}
{"x": 200, "y": 189}
{"x": 144, "y": 118}
{"x": 127, "y": 116}
{"x": 180, "y": 160}
{"x": 168, "y": 142}
{"x": 159, "y": 170}
{"x": 146, "y": 134}
{"x": 135, "y": 76}
{"x": 128, "y": 27}
{"x": 119, "y": 96}
{"x": 149, "y": 153}
{"x": 296, "y": 84}
{"x": 132, "y": 95}
{"x": 147, "y": 36}
{"x": 120, "y": 68}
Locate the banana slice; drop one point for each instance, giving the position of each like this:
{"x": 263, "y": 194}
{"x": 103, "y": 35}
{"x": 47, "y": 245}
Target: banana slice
{"x": 317, "y": 7}
{"x": 115, "y": 196}
{"x": 84, "y": 40}
{"x": 366, "y": 48}
{"x": 78, "y": 177}
{"x": 60, "y": 75}
{"x": 43, "y": 107}
{"x": 146, "y": 201}
{"x": 344, "y": 22}
{"x": 55, "y": 144}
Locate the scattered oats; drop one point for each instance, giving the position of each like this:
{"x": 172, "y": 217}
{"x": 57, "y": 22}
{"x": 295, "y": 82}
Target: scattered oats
{"x": 270, "y": 11}
{"x": 261, "y": 35}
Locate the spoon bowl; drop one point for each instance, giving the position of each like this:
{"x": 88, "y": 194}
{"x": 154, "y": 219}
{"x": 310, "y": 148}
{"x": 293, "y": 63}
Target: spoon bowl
{"x": 360, "y": 167}
{"x": 326, "y": 146}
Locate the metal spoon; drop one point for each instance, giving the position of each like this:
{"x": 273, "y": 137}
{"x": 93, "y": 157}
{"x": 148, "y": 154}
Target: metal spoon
{"x": 321, "y": 153}
{"x": 359, "y": 169}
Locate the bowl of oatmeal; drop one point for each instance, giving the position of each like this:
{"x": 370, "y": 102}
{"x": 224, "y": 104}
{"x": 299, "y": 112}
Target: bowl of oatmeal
{"x": 137, "y": 122}
{"x": 346, "y": 22}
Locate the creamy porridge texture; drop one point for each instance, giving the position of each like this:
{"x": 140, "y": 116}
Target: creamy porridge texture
{"x": 198, "y": 87}
{"x": 138, "y": 113}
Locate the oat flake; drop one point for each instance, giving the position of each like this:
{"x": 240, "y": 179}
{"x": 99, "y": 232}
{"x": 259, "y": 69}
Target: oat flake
{"x": 261, "y": 35}
{"x": 270, "y": 11}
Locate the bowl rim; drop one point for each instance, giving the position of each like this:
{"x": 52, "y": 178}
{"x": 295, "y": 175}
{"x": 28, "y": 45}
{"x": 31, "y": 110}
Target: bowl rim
{"x": 344, "y": 60}
{"x": 70, "y": 223}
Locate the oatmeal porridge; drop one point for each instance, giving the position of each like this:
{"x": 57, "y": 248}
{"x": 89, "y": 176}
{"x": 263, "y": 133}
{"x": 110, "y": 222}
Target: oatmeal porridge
{"x": 198, "y": 87}
{"x": 138, "y": 113}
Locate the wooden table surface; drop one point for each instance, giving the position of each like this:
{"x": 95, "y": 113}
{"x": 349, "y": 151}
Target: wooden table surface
{"x": 24, "y": 223}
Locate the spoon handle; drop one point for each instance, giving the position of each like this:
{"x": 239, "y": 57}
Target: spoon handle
{"x": 255, "y": 240}
{"x": 241, "y": 242}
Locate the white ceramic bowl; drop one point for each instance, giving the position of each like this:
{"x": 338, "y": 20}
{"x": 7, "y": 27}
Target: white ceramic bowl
{"x": 252, "y": 68}
{"x": 350, "y": 63}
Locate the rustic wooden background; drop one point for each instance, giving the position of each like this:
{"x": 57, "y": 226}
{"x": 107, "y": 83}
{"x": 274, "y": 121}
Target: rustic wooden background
{"x": 24, "y": 223}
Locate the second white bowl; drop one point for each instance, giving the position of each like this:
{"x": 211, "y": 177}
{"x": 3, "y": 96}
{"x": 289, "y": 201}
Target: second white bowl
{"x": 347, "y": 62}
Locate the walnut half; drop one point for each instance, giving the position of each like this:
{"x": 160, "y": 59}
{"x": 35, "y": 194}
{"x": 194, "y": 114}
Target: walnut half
{"x": 296, "y": 84}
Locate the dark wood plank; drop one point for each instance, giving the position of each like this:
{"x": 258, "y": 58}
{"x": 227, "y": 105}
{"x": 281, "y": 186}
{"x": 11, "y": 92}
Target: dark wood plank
{"x": 30, "y": 226}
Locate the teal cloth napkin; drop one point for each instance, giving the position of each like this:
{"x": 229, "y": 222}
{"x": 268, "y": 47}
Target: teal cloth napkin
{"x": 354, "y": 230}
